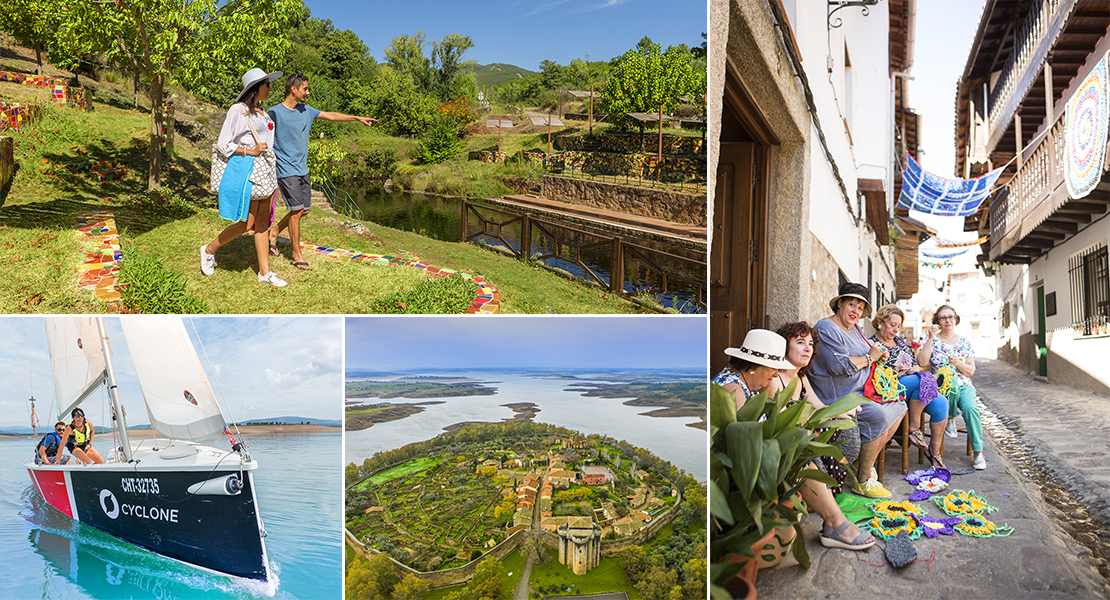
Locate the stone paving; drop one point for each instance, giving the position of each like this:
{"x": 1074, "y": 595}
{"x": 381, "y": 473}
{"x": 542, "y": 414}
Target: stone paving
{"x": 1065, "y": 428}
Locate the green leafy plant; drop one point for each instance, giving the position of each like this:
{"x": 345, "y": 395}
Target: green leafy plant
{"x": 760, "y": 456}
{"x": 149, "y": 288}
{"x": 441, "y": 143}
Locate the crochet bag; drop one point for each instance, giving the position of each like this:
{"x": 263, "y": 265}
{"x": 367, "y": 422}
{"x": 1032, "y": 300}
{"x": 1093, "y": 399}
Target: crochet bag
{"x": 264, "y": 176}
{"x": 882, "y": 385}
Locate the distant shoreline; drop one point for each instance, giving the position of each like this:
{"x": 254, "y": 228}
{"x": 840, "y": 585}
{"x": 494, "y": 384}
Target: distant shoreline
{"x": 248, "y": 429}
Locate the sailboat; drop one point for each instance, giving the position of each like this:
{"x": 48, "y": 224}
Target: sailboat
{"x": 184, "y": 500}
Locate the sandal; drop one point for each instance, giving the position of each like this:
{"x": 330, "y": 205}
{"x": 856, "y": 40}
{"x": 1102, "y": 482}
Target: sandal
{"x": 302, "y": 265}
{"x": 830, "y": 538}
{"x": 917, "y": 439}
{"x": 274, "y": 250}
{"x": 935, "y": 459}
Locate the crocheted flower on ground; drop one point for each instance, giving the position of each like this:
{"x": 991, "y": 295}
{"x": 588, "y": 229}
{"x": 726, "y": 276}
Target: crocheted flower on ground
{"x": 933, "y": 527}
{"x": 894, "y": 508}
{"x": 960, "y": 503}
{"x": 933, "y": 486}
{"x": 888, "y": 526}
{"x": 926, "y": 474}
{"x": 978, "y": 526}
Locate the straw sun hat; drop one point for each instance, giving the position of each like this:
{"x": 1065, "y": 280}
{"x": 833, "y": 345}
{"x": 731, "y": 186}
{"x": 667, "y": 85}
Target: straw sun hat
{"x": 763, "y": 347}
{"x": 852, "y": 290}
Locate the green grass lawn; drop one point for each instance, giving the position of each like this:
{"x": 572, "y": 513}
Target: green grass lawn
{"x": 607, "y": 576}
{"x": 514, "y": 568}
{"x": 415, "y": 465}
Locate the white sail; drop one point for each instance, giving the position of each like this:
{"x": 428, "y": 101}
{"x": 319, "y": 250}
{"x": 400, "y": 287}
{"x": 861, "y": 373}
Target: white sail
{"x": 78, "y": 360}
{"x": 179, "y": 400}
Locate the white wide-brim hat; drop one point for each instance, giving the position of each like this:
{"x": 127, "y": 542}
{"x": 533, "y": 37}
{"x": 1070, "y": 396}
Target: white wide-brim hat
{"x": 254, "y": 76}
{"x": 763, "y": 347}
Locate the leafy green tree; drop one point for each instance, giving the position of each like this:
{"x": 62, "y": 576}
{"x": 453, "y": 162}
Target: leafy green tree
{"x": 345, "y": 55}
{"x": 634, "y": 561}
{"x": 644, "y": 78}
{"x": 414, "y": 588}
{"x": 447, "y": 63}
{"x": 186, "y": 41}
{"x": 488, "y": 580}
{"x": 393, "y": 98}
{"x": 657, "y": 583}
{"x": 406, "y": 55}
{"x": 371, "y": 579}
{"x": 693, "y": 578}
{"x": 33, "y": 23}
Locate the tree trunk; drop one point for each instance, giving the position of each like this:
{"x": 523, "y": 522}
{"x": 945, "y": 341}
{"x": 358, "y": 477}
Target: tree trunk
{"x": 38, "y": 58}
{"x": 154, "y": 180}
{"x": 135, "y": 78}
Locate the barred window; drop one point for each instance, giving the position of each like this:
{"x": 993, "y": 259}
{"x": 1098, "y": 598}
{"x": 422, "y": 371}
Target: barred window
{"x": 1089, "y": 274}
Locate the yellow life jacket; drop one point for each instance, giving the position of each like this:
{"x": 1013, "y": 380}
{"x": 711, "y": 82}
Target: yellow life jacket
{"x": 82, "y": 436}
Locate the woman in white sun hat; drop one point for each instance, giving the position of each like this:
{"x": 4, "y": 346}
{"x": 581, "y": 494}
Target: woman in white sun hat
{"x": 246, "y": 133}
{"x": 753, "y": 365}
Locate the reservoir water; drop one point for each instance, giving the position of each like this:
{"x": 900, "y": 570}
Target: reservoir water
{"x": 667, "y": 437}
{"x": 48, "y": 555}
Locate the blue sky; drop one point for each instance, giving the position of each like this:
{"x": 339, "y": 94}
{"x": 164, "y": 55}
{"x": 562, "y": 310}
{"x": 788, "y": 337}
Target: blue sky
{"x": 523, "y": 33}
{"x": 265, "y": 366}
{"x": 391, "y": 343}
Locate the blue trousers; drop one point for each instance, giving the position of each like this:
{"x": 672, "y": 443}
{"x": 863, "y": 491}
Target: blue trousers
{"x": 937, "y": 409}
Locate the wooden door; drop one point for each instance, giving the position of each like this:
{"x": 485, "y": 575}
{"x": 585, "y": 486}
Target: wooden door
{"x": 737, "y": 277}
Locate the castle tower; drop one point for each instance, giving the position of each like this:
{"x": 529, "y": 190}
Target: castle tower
{"x": 580, "y": 545}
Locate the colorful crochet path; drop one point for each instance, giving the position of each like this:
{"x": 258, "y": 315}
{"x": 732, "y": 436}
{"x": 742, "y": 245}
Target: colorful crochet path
{"x": 487, "y": 302}
{"x": 100, "y": 272}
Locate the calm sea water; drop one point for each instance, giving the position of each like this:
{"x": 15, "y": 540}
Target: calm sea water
{"x": 668, "y": 438}
{"x": 48, "y": 555}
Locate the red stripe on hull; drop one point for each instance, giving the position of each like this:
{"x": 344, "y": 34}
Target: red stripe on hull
{"x": 52, "y": 487}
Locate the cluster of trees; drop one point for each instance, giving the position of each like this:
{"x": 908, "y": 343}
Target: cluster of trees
{"x": 376, "y": 577}
{"x": 673, "y": 571}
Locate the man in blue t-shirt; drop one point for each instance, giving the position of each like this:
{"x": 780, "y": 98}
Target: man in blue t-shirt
{"x": 292, "y": 123}
{"x": 48, "y": 450}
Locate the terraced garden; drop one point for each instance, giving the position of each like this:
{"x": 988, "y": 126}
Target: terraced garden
{"x": 436, "y": 516}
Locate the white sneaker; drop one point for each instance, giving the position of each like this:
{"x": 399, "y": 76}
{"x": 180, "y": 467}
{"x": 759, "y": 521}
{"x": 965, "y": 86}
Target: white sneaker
{"x": 207, "y": 261}
{"x": 980, "y": 463}
{"x": 950, "y": 428}
{"x": 271, "y": 279}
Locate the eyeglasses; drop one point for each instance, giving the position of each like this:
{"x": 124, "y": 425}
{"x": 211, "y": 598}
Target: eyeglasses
{"x": 947, "y": 318}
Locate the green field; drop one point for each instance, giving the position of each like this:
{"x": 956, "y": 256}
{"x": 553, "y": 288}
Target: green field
{"x": 415, "y": 465}
{"x": 607, "y": 576}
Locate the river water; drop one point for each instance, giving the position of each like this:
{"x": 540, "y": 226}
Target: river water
{"x": 48, "y": 555}
{"x": 667, "y": 437}
{"x": 440, "y": 218}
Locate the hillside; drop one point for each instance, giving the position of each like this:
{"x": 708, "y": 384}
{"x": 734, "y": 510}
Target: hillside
{"x": 498, "y": 73}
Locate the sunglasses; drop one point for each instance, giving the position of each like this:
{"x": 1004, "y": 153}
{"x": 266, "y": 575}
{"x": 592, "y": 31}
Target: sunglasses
{"x": 82, "y": 415}
{"x": 59, "y": 429}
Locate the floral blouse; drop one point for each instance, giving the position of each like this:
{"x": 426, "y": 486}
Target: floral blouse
{"x": 961, "y": 350}
{"x": 727, "y": 376}
{"x": 902, "y": 355}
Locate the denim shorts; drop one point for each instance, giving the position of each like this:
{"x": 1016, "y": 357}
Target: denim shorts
{"x": 296, "y": 191}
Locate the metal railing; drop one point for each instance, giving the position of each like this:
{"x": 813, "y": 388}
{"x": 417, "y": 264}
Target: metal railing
{"x": 543, "y": 240}
{"x": 340, "y": 200}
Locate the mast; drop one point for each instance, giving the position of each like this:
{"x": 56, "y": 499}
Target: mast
{"x": 113, "y": 393}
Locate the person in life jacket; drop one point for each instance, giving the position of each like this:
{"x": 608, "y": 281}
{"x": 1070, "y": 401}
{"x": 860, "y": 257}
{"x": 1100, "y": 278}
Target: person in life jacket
{"x": 78, "y": 437}
{"x": 49, "y": 447}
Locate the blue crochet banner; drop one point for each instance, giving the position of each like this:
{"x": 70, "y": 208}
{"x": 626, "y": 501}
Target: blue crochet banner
{"x": 942, "y": 252}
{"x": 940, "y": 196}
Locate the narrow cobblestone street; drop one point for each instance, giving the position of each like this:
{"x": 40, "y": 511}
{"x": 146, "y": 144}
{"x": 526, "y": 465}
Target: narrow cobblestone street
{"x": 1043, "y": 442}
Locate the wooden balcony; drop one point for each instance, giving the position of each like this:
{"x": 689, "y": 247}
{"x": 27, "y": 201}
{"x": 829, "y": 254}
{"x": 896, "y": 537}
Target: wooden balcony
{"x": 1034, "y": 212}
